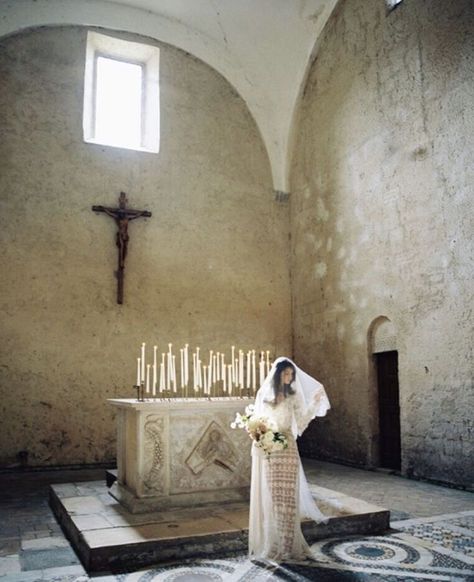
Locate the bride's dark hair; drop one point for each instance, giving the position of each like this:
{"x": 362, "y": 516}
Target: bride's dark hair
{"x": 278, "y": 388}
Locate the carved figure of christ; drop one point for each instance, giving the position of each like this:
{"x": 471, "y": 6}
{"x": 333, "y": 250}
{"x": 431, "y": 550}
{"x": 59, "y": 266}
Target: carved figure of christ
{"x": 122, "y": 216}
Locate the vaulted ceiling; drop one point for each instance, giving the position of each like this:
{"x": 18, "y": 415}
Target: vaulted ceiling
{"x": 262, "y": 47}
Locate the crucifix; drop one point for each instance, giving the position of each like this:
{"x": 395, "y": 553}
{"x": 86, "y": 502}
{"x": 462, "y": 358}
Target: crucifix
{"x": 122, "y": 216}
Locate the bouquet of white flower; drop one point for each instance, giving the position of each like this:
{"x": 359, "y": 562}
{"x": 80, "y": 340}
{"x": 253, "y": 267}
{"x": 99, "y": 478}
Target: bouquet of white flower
{"x": 261, "y": 430}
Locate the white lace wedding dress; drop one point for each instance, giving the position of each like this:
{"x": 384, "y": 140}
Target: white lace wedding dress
{"x": 280, "y": 496}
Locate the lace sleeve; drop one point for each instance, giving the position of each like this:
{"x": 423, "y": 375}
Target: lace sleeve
{"x": 304, "y": 411}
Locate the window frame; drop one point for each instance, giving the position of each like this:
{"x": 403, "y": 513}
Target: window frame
{"x": 146, "y": 56}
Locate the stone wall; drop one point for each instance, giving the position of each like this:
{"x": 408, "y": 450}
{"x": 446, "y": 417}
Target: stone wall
{"x": 211, "y": 267}
{"x": 382, "y": 228}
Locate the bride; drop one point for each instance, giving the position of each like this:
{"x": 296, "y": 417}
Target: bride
{"x": 279, "y": 492}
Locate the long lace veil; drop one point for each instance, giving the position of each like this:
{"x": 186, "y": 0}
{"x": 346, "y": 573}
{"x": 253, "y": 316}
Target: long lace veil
{"x": 310, "y": 393}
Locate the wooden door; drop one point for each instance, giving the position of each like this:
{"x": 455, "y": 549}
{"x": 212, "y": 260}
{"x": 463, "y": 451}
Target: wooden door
{"x": 389, "y": 409}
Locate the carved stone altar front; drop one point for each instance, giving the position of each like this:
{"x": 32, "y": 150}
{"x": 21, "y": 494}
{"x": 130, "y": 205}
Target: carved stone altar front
{"x": 180, "y": 452}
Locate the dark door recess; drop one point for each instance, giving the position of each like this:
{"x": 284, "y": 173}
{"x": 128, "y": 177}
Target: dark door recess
{"x": 389, "y": 409}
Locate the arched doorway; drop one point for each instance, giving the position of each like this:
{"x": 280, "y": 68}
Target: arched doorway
{"x": 385, "y": 362}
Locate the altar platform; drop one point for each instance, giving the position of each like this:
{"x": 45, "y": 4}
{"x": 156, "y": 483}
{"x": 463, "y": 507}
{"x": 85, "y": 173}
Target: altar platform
{"x": 108, "y": 537}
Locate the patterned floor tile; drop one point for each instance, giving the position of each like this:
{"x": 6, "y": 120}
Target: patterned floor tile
{"x": 389, "y": 555}
{"x": 450, "y": 532}
{"x": 466, "y": 521}
{"x": 442, "y": 535}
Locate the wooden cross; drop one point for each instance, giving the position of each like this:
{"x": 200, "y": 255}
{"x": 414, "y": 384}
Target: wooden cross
{"x": 122, "y": 216}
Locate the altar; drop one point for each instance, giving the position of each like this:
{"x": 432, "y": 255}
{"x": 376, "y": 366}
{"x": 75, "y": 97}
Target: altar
{"x": 180, "y": 452}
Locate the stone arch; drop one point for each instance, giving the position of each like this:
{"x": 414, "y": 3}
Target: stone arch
{"x": 382, "y": 335}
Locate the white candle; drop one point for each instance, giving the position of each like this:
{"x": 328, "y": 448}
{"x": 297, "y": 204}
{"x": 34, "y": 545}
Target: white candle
{"x": 170, "y": 358}
{"x": 218, "y": 366}
{"x": 174, "y": 374}
{"x": 223, "y": 367}
{"x": 268, "y": 362}
{"x": 186, "y": 364}
{"x": 162, "y": 375}
{"x": 224, "y": 379}
{"x": 209, "y": 379}
{"x": 194, "y": 372}
{"x": 138, "y": 371}
{"x": 214, "y": 369}
{"x": 143, "y": 363}
{"x": 154, "y": 371}
{"x": 172, "y": 368}
{"x": 168, "y": 372}
{"x": 209, "y": 370}
{"x": 234, "y": 370}
{"x": 181, "y": 353}
{"x": 230, "y": 371}
{"x": 254, "y": 374}
{"x": 241, "y": 368}
{"x": 248, "y": 369}
{"x": 205, "y": 379}
{"x": 148, "y": 378}
{"x": 199, "y": 372}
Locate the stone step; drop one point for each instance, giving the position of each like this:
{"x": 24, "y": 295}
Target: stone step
{"x": 106, "y": 537}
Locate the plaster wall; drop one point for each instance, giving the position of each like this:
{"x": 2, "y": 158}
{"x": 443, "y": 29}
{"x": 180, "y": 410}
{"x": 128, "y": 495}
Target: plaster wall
{"x": 382, "y": 223}
{"x": 211, "y": 267}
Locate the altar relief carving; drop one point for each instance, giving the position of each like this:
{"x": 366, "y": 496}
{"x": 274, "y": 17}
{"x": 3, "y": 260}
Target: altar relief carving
{"x": 214, "y": 447}
{"x": 154, "y": 453}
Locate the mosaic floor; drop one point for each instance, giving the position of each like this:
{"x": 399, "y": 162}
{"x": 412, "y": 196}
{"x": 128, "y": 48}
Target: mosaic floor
{"x": 440, "y": 547}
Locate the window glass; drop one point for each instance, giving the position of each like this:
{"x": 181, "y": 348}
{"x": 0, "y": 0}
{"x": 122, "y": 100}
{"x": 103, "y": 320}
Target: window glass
{"x": 118, "y": 103}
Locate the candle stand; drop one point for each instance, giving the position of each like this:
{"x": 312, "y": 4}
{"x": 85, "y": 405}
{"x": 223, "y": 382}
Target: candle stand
{"x": 140, "y": 388}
